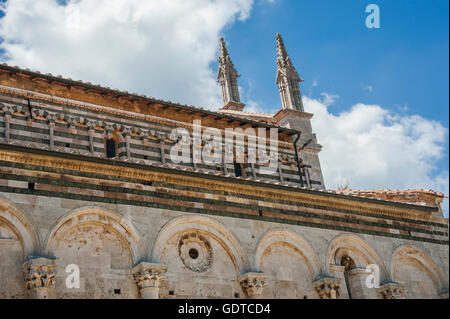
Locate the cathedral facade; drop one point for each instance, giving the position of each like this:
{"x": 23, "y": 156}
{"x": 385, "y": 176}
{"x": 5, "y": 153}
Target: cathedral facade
{"x": 93, "y": 204}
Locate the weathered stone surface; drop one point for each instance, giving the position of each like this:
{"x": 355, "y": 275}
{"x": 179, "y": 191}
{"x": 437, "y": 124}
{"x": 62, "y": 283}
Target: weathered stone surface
{"x": 139, "y": 228}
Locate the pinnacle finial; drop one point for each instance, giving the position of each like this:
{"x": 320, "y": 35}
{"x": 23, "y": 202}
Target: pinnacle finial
{"x": 287, "y": 79}
{"x": 223, "y": 48}
{"x": 227, "y": 76}
{"x": 281, "y": 49}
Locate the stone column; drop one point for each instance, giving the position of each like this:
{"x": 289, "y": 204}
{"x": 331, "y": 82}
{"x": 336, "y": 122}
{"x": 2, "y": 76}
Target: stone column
{"x": 356, "y": 279}
{"x": 328, "y": 287}
{"x": 391, "y": 290}
{"x": 280, "y": 171}
{"x": 147, "y": 277}
{"x": 91, "y": 140}
{"x": 127, "y": 141}
{"x": 51, "y": 128}
{"x": 253, "y": 284}
{"x": 162, "y": 144}
{"x": 338, "y": 272}
{"x": 39, "y": 275}
{"x": 7, "y": 125}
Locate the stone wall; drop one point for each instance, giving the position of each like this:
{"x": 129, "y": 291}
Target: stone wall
{"x": 107, "y": 240}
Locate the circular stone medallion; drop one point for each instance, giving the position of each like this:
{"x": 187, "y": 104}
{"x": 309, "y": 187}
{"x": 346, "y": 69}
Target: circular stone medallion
{"x": 195, "y": 252}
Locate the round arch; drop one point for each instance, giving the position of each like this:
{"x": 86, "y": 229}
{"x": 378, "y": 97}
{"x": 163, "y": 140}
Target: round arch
{"x": 405, "y": 254}
{"x": 207, "y": 225}
{"x": 296, "y": 241}
{"x": 356, "y": 248}
{"x": 22, "y": 225}
{"x": 126, "y": 232}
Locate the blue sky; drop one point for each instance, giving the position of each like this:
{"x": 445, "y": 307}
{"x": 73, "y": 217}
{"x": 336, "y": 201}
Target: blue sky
{"x": 405, "y": 61}
{"x": 380, "y": 96}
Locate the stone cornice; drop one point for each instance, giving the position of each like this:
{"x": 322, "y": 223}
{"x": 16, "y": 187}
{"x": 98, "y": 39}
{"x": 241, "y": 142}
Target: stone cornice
{"x": 46, "y": 98}
{"x": 118, "y": 99}
{"x": 118, "y": 168}
{"x": 281, "y": 114}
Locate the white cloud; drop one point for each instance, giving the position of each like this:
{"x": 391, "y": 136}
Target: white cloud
{"x": 329, "y": 99}
{"x": 160, "y": 48}
{"x": 368, "y": 88}
{"x": 373, "y": 148}
{"x": 164, "y": 49}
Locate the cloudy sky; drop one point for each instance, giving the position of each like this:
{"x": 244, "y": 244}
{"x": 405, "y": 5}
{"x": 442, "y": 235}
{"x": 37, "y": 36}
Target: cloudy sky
{"x": 380, "y": 96}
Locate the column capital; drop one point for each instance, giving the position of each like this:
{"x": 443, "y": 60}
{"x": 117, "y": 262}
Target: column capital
{"x": 147, "y": 276}
{"x": 39, "y": 274}
{"x": 337, "y": 268}
{"x": 391, "y": 290}
{"x": 328, "y": 287}
{"x": 253, "y": 284}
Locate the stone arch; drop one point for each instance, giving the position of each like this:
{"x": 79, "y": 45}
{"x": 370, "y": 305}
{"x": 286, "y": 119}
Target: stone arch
{"x": 289, "y": 262}
{"x": 356, "y": 248}
{"x": 352, "y": 255}
{"x": 411, "y": 256}
{"x": 19, "y": 239}
{"x": 293, "y": 239}
{"x": 22, "y": 226}
{"x": 101, "y": 217}
{"x": 207, "y": 225}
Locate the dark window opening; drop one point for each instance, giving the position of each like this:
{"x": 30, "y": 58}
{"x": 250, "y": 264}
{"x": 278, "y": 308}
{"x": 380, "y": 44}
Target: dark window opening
{"x": 117, "y": 291}
{"x": 31, "y": 186}
{"x": 110, "y": 148}
{"x": 193, "y": 253}
{"x": 260, "y": 212}
{"x": 171, "y": 292}
{"x": 305, "y": 297}
{"x": 236, "y": 295}
{"x": 145, "y": 157}
{"x": 147, "y": 183}
{"x": 237, "y": 169}
{"x": 348, "y": 263}
{"x": 67, "y": 144}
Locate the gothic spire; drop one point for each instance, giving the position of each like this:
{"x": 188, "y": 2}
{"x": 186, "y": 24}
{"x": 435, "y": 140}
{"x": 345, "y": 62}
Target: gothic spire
{"x": 227, "y": 77}
{"x": 287, "y": 79}
{"x": 281, "y": 49}
{"x": 223, "y": 49}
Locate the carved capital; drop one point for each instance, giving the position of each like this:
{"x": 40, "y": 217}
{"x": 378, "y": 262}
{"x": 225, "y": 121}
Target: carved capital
{"x": 391, "y": 290}
{"x": 147, "y": 277}
{"x": 39, "y": 274}
{"x": 253, "y": 284}
{"x": 337, "y": 269}
{"x": 328, "y": 287}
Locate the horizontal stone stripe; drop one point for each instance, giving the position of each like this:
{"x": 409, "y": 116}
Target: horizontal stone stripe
{"x": 81, "y": 142}
{"x": 218, "y": 204}
{"x": 211, "y": 212}
{"x": 106, "y": 177}
{"x": 78, "y": 112}
{"x": 29, "y": 139}
{"x": 99, "y": 116}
